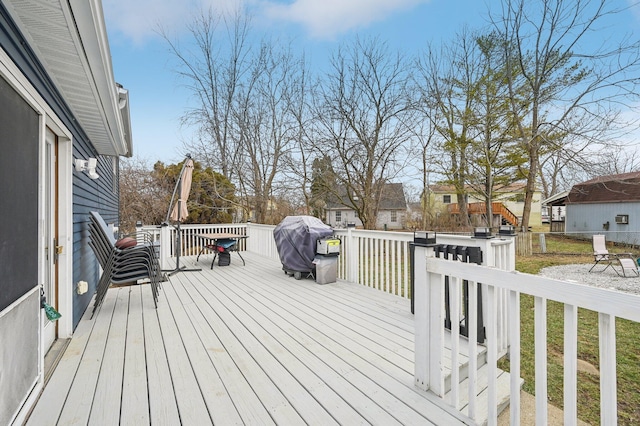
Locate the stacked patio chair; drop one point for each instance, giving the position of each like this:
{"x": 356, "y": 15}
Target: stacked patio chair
{"x": 123, "y": 261}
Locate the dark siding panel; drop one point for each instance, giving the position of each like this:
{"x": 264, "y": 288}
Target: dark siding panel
{"x": 19, "y": 195}
{"x": 90, "y": 195}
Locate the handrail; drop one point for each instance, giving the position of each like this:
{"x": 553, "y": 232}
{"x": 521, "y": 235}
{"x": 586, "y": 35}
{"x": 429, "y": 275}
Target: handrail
{"x": 481, "y": 208}
{"x": 430, "y": 351}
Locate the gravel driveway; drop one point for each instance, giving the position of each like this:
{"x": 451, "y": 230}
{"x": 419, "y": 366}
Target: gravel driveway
{"x": 580, "y": 274}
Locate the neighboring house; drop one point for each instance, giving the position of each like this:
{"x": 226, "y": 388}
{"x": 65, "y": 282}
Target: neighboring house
{"x": 555, "y": 210}
{"x": 392, "y": 212}
{"x": 58, "y": 103}
{"x": 511, "y": 196}
{"x": 606, "y": 204}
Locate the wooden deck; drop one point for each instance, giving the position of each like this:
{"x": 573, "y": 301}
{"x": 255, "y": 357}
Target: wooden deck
{"x": 241, "y": 345}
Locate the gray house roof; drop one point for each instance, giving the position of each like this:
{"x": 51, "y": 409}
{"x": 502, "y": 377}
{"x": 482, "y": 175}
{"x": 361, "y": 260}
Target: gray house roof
{"x": 391, "y": 198}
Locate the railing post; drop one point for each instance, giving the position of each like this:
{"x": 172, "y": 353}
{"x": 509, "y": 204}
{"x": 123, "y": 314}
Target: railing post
{"x": 608, "y": 382}
{"x": 511, "y": 253}
{"x": 165, "y": 245}
{"x": 353, "y": 256}
{"x": 429, "y": 329}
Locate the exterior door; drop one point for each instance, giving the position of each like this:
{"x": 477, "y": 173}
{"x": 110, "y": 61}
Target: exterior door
{"x": 50, "y": 285}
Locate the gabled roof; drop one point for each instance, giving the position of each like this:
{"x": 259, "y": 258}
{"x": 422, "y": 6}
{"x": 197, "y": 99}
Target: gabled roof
{"x": 607, "y": 189}
{"x": 391, "y": 198}
{"x": 70, "y": 39}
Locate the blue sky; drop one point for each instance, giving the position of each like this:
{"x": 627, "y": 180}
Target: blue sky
{"x": 143, "y": 65}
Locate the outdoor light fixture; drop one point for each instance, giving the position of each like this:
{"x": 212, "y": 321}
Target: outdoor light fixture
{"x": 507, "y": 230}
{"x": 482, "y": 232}
{"x": 424, "y": 237}
{"x": 88, "y": 166}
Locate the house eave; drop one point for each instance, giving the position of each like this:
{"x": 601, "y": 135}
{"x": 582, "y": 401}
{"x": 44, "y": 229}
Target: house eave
{"x": 70, "y": 39}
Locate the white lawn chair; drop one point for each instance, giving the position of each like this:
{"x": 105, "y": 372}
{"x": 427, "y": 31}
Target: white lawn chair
{"x": 600, "y": 252}
{"x": 628, "y": 264}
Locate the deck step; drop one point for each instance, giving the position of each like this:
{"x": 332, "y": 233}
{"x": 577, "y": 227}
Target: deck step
{"x": 503, "y": 394}
{"x": 463, "y": 360}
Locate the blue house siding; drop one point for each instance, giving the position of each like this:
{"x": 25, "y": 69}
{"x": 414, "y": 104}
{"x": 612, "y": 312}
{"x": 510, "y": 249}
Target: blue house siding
{"x": 87, "y": 194}
{"x": 599, "y": 218}
{"x": 90, "y": 195}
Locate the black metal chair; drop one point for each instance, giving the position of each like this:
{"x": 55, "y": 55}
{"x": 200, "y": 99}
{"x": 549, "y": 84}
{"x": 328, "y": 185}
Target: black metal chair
{"x": 131, "y": 263}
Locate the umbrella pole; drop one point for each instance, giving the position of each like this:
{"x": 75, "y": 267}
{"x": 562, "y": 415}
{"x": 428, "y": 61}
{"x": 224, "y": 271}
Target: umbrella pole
{"x": 178, "y": 242}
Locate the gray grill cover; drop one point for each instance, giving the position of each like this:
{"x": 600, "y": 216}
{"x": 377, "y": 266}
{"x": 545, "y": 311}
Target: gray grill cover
{"x": 296, "y": 238}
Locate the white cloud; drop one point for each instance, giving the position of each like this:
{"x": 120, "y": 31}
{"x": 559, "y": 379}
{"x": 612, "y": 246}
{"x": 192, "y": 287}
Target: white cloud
{"x": 139, "y": 20}
{"x": 327, "y": 18}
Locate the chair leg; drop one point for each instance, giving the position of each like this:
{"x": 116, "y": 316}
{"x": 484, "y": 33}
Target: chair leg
{"x": 597, "y": 262}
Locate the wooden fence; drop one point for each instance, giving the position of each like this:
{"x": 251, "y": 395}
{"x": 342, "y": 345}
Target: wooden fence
{"x": 524, "y": 244}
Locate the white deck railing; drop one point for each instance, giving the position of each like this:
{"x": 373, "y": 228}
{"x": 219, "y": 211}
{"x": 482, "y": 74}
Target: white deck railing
{"x": 261, "y": 240}
{"x": 189, "y": 241}
{"x": 429, "y": 339}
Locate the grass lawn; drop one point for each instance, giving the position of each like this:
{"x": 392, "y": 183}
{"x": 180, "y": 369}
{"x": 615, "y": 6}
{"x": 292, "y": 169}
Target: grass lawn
{"x": 561, "y": 251}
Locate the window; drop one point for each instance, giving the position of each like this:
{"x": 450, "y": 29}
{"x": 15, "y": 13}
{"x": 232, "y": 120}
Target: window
{"x": 446, "y": 199}
{"x": 338, "y": 217}
{"x": 394, "y": 216}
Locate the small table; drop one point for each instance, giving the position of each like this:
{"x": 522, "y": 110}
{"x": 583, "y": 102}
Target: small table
{"x": 211, "y": 243}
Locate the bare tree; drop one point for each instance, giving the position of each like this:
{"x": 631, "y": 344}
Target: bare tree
{"x": 365, "y": 113}
{"x": 424, "y": 153}
{"x": 267, "y": 126}
{"x": 144, "y": 196}
{"x": 298, "y": 161}
{"x": 576, "y": 75}
{"x": 214, "y": 72}
{"x": 243, "y": 112}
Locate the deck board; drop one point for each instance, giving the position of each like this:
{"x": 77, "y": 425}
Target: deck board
{"x": 282, "y": 348}
{"x": 243, "y": 349}
{"x": 107, "y": 402}
{"x": 318, "y": 352}
{"x": 242, "y": 345}
{"x": 163, "y": 408}
{"x": 175, "y": 331}
{"x": 246, "y": 402}
{"x": 77, "y": 408}
{"x": 135, "y": 394}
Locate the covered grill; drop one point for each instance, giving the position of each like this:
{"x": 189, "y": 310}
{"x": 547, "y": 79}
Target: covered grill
{"x": 296, "y": 238}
